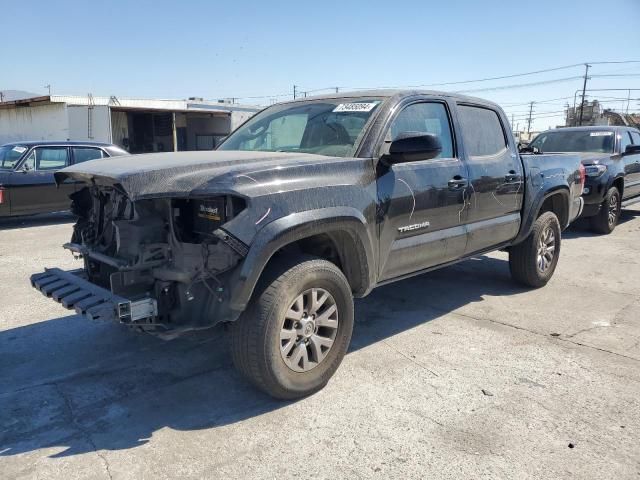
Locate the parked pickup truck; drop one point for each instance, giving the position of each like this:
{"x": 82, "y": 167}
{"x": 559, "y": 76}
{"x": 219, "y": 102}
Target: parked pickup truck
{"x": 611, "y": 156}
{"x": 305, "y": 206}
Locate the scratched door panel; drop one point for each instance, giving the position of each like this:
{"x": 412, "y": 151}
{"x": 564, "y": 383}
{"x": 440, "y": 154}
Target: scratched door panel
{"x": 495, "y": 176}
{"x": 422, "y": 214}
{"x": 423, "y": 222}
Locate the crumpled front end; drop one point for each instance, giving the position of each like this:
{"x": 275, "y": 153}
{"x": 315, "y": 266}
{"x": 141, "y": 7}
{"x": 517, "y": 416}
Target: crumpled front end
{"x": 159, "y": 264}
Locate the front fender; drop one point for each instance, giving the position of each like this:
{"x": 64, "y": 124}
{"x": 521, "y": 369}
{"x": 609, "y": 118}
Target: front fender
{"x": 297, "y": 226}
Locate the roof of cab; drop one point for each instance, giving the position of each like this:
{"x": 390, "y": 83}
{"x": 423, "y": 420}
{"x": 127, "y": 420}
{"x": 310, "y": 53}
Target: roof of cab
{"x": 388, "y": 93}
{"x": 592, "y": 128}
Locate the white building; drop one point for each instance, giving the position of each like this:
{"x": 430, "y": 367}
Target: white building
{"x": 137, "y": 125}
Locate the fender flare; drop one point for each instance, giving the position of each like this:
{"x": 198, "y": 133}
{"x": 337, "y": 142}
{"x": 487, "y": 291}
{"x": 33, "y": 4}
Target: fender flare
{"x": 534, "y": 210}
{"x": 613, "y": 179}
{"x": 297, "y": 226}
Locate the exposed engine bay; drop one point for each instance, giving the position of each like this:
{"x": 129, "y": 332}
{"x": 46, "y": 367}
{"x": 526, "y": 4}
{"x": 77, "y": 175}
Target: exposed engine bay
{"x": 169, "y": 257}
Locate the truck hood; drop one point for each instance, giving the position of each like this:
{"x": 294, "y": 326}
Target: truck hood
{"x": 181, "y": 173}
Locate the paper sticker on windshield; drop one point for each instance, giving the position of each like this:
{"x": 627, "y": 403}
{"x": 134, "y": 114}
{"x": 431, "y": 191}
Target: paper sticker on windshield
{"x": 600, "y": 134}
{"x": 19, "y": 149}
{"x": 355, "y": 107}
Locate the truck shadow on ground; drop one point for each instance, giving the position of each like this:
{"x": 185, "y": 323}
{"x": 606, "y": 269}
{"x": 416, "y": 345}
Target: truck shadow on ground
{"x": 11, "y": 223}
{"x": 71, "y": 386}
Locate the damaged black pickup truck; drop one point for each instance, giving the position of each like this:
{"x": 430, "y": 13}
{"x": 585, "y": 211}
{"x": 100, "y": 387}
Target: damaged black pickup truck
{"x": 305, "y": 206}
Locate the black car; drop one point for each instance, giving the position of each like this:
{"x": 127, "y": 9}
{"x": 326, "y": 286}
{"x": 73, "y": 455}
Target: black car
{"x": 306, "y": 205}
{"x": 611, "y": 157}
{"x": 27, "y": 185}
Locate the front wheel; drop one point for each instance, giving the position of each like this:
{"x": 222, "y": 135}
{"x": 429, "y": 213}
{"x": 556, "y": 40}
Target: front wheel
{"x": 297, "y": 329}
{"x": 607, "y": 218}
{"x": 533, "y": 261}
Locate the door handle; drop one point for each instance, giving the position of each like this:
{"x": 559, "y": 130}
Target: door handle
{"x": 457, "y": 182}
{"x": 511, "y": 176}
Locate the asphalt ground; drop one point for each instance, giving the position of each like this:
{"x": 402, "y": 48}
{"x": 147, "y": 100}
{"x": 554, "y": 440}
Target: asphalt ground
{"x": 454, "y": 374}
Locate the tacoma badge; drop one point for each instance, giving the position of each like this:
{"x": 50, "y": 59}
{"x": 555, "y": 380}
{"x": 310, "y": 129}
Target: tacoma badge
{"x": 415, "y": 226}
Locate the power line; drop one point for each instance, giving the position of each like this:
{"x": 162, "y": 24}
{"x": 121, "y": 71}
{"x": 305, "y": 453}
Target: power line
{"x": 477, "y": 80}
{"x": 537, "y": 101}
{"x": 520, "y": 85}
{"x": 612, "y": 75}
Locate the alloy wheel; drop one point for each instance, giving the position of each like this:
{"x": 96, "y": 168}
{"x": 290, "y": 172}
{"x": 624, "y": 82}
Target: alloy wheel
{"x": 546, "y": 249}
{"x": 309, "y": 330}
{"x": 613, "y": 210}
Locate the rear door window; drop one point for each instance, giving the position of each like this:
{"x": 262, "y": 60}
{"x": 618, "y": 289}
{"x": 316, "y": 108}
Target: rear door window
{"x": 51, "y": 158}
{"x": 635, "y": 137}
{"x": 83, "y": 154}
{"x": 482, "y": 130}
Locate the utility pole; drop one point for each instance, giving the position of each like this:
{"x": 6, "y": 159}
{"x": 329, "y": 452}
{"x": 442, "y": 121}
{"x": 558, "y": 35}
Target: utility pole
{"x": 628, "y": 100}
{"x": 529, "y": 121}
{"x": 295, "y": 91}
{"x": 337, "y": 88}
{"x": 48, "y": 87}
{"x": 584, "y": 89}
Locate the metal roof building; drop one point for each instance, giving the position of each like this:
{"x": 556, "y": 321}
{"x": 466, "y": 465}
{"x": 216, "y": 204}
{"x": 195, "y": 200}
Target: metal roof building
{"x": 138, "y": 125}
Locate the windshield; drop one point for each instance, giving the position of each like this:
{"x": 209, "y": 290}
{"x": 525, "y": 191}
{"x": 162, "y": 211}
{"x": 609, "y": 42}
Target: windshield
{"x": 330, "y": 127}
{"x": 10, "y": 155}
{"x": 600, "y": 141}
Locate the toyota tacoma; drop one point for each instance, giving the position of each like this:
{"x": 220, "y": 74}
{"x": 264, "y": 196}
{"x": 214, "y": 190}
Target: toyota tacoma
{"x": 611, "y": 157}
{"x": 305, "y": 206}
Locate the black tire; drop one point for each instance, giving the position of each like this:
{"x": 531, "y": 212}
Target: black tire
{"x": 525, "y": 258}
{"x": 256, "y": 339}
{"x": 607, "y": 218}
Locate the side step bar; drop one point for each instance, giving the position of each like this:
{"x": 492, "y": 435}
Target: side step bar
{"x": 73, "y": 291}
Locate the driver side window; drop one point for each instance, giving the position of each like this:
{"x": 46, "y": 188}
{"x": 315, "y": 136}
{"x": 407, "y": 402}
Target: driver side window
{"x": 426, "y": 117}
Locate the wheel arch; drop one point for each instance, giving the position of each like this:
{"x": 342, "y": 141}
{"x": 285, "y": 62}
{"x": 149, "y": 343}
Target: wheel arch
{"x": 555, "y": 200}
{"x": 618, "y": 182}
{"x": 337, "y": 234}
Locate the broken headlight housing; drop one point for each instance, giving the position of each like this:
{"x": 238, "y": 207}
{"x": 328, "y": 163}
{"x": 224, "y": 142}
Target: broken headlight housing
{"x": 197, "y": 219}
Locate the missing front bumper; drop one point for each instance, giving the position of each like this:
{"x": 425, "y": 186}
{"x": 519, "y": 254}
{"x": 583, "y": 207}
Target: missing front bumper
{"x": 73, "y": 291}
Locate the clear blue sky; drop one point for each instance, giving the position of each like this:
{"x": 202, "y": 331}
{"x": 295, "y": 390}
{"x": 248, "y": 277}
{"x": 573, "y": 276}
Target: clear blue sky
{"x": 169, "y": 49}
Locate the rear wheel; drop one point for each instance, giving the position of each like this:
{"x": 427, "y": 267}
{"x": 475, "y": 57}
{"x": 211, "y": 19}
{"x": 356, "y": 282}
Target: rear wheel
{"x": 607, "y": 218}
{"x": 297, "y": 329}
{"x": 533, "y": 261}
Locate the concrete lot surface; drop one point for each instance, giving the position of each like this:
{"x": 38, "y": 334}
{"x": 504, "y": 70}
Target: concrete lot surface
{"x": 453, "y": 374}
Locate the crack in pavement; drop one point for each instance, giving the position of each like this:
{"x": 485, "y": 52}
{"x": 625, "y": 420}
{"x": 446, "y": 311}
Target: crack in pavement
{"x": 545, "y": 335}
{"x": 412, "y": 360}
{"x": 85, "y": 433}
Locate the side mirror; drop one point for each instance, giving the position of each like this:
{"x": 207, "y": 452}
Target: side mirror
{"x": 632, "y": 149}
{"x": 24, "y": 169}
{"x": 412, "y": 147}
{"x": 528, "y": 149}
